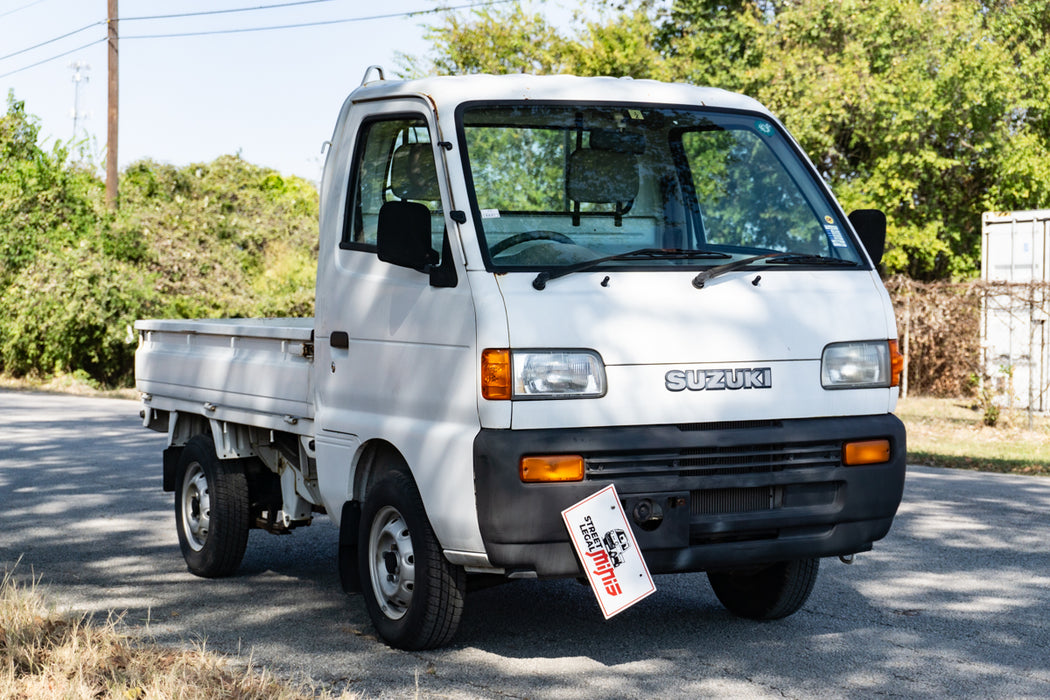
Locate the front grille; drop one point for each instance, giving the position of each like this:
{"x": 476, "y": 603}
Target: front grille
{"x": 737, "y": 500}
{"x": 729, "y": 425}
{"x": 715, "y": 461}
{"x": 726, "y": 537}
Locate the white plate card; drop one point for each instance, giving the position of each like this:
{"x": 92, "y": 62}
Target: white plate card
{"x": 605, "y": 544}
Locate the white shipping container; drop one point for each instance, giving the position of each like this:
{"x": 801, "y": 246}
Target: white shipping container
{"x": 1015, "y": 249}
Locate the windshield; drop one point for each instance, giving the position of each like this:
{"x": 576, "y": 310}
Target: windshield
{"x": 558, "y": 185}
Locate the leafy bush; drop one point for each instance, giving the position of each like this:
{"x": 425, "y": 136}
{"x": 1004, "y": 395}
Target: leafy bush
{"x": 74, "y": 310}
{"x": 225, "y": 238}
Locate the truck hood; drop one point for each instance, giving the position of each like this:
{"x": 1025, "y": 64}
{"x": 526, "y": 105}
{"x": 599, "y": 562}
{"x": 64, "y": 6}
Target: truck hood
{"x": 644, "y": 324}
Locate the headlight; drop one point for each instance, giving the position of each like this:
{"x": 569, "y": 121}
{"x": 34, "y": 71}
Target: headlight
{"x": 558, "y": 374}
{"x": 541, "y": 374}
{"x": 856, "y": 365}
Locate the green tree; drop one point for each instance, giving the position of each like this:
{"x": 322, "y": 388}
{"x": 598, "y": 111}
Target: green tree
{"x": 708, "y": 42}
{"x": 45, "y": 203}
{"x": 492, "y": 41}
{"x": 911, "y": 107}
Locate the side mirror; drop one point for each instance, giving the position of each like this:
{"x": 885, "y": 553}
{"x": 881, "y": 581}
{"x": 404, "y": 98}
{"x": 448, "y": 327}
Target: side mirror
{"x": 403, "y": 235}
{"x": 870, "y": 225}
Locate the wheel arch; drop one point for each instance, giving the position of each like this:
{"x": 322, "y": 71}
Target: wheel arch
{"x": 182, "y": 427}
{"x": 375, "y": 459}
{"x": 229, "y": 440}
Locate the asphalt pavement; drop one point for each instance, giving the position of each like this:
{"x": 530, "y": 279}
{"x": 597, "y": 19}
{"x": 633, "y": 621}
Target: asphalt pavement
{"x": 954, "y": 602}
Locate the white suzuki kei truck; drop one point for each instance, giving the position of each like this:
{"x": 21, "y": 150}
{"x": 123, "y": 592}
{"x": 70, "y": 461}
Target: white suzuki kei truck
{"x": 530, "y": 288}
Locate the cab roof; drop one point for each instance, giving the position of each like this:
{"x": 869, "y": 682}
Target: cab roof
{"x": 448, "y": 92}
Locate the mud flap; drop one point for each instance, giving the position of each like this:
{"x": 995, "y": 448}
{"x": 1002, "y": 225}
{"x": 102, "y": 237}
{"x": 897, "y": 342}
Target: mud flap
{"x": 349, "y": 524}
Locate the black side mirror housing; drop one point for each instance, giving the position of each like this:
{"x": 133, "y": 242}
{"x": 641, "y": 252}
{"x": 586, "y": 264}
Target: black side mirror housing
{"x": 870, "y": 225}
{"x": 403, "y": 235}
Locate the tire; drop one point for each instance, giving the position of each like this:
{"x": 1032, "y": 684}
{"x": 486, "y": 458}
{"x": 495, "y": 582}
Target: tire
{"x": 211, "y": 510}
{"x": 413, "y": 594}
{"x": 771, "y": 593}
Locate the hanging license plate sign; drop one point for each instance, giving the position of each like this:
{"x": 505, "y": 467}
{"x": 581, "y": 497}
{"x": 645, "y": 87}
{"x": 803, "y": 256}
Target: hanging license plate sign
{"x": 607, "y": 548}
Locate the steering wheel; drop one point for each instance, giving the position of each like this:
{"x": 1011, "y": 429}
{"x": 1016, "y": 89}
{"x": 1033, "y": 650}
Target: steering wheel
{"x": 525, "y": 237}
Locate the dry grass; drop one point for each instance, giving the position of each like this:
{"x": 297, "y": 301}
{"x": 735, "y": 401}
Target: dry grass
{"x": 47, "y": 655}
{"x": 77, "y": 384}
{"x": 952, "y": 433}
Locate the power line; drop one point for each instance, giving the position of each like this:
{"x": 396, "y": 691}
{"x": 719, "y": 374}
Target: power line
{"x": 152, "y": 17}
{"x": 54, "y": 58}
{"x": 447, "y": 8}
{"x": 51, "y": 41}
{"x": 11, "y": 12}
{"x": 391, "y": 15}
{"x": 223, "y": 12}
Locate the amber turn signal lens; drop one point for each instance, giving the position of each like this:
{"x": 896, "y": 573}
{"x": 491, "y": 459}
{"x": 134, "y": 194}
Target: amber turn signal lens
{"x": 552, "y": 468}
{"x": 495, "y": 374}
{"x": 896, "y": 364}
{"x": 866, "y": 452}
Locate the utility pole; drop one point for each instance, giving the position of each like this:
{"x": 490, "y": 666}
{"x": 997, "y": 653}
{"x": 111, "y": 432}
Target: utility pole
{"x": 78, "y": 78}
{"x": 111, "y": 130}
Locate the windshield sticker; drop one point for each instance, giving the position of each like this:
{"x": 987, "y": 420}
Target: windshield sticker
{"x": 835, "y": 235}
{"x": 635, "y": 114}
{"x": 764, "y": 127}
{"x": 828, "y": 219}
{"x": 490, "y": 213}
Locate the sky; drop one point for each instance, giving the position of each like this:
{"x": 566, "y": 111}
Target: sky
{"x": 271, "y": 96}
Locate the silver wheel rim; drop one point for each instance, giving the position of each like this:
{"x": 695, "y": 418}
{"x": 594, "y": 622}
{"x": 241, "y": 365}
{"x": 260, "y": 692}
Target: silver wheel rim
{"x": 196, "y": 507}
{"x": 391, "y": 562}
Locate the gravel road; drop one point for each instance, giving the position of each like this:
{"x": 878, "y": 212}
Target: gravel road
{"x": 954, "y": 602}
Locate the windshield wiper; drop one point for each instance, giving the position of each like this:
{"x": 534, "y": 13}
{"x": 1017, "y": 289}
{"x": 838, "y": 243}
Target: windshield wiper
{"x": 770, "y": 258}
{"x": 641, "y": 254}
{"x": 809, "y": 259}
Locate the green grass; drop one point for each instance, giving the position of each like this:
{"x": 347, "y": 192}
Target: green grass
{"x": 951, "y": 433}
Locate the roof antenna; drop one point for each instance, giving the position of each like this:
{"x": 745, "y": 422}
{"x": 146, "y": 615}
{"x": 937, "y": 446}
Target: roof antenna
{"x": 368, "y": 71}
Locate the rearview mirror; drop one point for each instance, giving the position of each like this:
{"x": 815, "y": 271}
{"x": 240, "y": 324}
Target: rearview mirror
{"x": 403, "y": 235}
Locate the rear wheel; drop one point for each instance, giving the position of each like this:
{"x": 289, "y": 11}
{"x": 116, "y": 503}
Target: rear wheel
{"x": 413, "y": 594}
{"x": 211, "y": 510}
{"x": 771, "y": 593}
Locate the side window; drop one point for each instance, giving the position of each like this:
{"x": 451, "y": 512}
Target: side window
{"x": 393, "y": 161}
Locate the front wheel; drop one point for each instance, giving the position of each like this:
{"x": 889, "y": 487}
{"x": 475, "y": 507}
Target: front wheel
{"x": 771, "y": 593}
{"x": 211, "y": 510}
{"x": 413, "y": 594}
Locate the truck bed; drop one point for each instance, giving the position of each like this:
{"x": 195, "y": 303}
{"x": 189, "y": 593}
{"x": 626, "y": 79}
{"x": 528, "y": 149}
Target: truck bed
{"x": 251, "y": 371}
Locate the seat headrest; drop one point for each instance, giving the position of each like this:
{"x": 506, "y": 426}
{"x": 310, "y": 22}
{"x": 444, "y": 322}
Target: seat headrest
{"x": 620, "y": 141}
{"x": 413, "y": 174}
{"x": 602, "y": 177}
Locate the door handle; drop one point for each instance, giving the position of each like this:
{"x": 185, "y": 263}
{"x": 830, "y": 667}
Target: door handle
{"x": 340, "y": 339}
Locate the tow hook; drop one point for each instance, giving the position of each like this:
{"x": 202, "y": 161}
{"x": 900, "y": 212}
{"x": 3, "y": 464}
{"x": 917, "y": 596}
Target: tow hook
{"x": 846, "y": 558}
{"x": 648, "y": 515}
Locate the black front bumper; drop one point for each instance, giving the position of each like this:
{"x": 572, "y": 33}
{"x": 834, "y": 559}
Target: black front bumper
{"x": 730, "y": 494}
